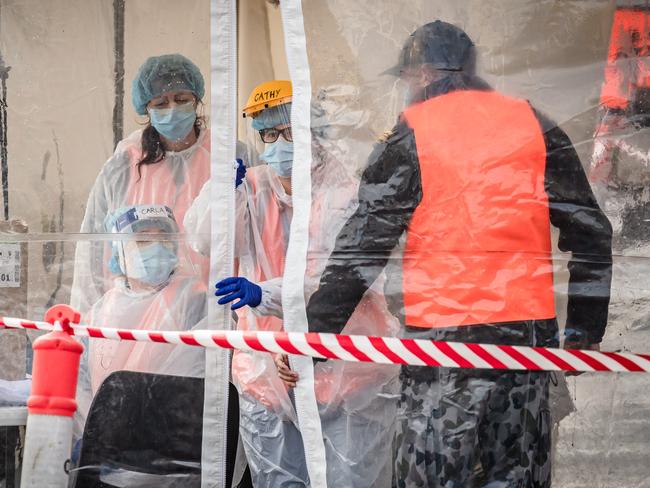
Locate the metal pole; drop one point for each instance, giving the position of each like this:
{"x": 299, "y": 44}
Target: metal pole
{"x": 118, "y": 46}
{"x": 4, "y": 162}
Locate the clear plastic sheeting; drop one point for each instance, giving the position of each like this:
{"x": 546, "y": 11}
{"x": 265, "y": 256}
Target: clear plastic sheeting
{"x": 89, "y": 130}
{"x": 347, "y": 394}
{"x": 179, "y": 178}
{"x": 123, "y": 444}
{"x": 268, "y": 422}
{"x": 475, "y": 217}
{"x": 460, "y": 171}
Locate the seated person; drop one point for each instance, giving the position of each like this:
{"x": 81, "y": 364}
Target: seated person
{"x": 151, "y": 291}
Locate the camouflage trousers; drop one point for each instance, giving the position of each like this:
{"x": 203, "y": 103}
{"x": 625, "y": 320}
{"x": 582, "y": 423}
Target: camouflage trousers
{"x": 471, "y": 428}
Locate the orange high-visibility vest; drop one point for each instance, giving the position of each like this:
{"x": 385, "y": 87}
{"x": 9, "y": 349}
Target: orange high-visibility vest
{"x": 478, "y": 247}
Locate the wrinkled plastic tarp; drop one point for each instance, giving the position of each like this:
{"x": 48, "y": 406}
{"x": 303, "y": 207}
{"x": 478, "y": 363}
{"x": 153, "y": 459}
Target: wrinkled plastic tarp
{"x": 512, "y": 227}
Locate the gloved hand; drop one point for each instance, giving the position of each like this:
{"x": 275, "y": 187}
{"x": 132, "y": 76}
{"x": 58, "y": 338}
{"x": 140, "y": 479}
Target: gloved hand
{"x": 248, "y": 293}
{"x": 241, "y": 172}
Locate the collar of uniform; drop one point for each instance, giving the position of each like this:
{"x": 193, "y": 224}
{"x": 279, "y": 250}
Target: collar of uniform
{"x": 453, "y": 82}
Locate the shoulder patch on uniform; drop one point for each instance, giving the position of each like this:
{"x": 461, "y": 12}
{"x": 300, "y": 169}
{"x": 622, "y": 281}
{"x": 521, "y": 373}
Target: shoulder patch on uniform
{"x": 387, "y": 134}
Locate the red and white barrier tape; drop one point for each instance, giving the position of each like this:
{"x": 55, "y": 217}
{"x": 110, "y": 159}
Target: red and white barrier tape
{"x": 381, "y": 350}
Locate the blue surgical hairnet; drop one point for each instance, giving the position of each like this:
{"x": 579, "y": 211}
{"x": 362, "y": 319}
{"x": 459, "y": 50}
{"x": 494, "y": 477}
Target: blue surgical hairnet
{"x": 270, "y": 117}
{"x": 162, "y": 74}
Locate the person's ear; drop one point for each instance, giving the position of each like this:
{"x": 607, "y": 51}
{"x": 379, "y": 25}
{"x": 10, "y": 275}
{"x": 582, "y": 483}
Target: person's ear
{"x": 428, "y": 74}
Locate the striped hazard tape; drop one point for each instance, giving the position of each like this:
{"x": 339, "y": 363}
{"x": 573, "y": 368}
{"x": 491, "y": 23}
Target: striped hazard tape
{"x": 380, "y": 350}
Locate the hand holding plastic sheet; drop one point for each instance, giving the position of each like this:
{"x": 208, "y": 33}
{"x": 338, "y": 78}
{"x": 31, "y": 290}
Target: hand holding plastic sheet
{"x": 232, "y": 288}
{"x": 285, "y": 373}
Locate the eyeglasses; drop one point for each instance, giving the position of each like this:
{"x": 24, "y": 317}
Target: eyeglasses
{"x": 271, "y": 135}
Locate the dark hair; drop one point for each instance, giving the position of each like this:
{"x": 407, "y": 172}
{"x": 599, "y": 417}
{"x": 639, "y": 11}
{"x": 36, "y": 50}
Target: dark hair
{"x": 153, "y": 150}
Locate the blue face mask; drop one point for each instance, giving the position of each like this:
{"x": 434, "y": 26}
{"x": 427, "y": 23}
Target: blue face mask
{"x": 279, "y": 156}
{"x": 173, "y": 123}
{"x": 151, "y": 264}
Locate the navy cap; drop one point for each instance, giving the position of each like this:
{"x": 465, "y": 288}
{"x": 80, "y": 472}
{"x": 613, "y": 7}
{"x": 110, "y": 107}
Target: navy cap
{"x": 438, "y": 44}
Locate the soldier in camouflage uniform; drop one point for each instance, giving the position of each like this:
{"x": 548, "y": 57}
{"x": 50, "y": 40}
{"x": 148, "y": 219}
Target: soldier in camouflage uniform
{"x": 456, "y": 206}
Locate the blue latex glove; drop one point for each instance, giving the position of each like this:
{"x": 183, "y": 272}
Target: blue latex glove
{"x": 232, "y": 288}
{"x": 241, "y": 172}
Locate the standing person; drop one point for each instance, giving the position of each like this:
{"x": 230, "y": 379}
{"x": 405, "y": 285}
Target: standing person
{"x": 263, "y": 216}
{"x": 349, "y": 414}
{"x": 166, "y": 163}
{"x": 465, "y": 189}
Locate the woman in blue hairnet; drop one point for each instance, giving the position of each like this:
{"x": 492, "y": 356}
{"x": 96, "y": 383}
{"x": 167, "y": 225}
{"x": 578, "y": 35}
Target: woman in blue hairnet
{"x": 165, "y": 163}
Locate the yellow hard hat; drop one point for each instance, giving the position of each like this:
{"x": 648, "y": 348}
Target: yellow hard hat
{"x": 268, "y": 94}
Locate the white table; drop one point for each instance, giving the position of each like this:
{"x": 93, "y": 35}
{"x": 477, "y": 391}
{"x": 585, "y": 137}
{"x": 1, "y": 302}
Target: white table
{"x": 13, "y": 416}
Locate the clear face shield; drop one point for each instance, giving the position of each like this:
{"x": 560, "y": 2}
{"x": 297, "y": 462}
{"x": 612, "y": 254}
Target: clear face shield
{"x": 146, "y": 260}
{"x": 269, "y": 132}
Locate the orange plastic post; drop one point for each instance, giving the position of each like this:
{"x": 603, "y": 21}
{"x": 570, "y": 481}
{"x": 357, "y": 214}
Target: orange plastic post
{"x": 56, "y": 366}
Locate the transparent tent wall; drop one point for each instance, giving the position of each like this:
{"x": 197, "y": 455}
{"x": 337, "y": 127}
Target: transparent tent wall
{"x": 554, "y": 55}
{"x": 68, "y": 67}
{"x": 62, "y": 115}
